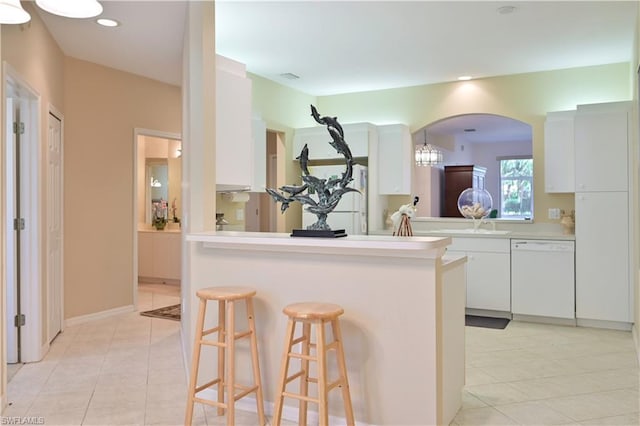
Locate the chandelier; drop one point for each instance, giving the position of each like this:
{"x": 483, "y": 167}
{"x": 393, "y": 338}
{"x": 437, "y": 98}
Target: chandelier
{"x": 427, "y": 155}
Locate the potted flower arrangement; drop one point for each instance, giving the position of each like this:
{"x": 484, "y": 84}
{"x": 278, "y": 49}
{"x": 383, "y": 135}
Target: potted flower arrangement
{"x": 159, "y": 215}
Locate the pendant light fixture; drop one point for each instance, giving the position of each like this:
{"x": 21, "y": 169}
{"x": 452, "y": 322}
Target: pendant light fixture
{"x": 427, "y": 155}
{"x": 11, "y": 12}
{"x": 71, "y": 8}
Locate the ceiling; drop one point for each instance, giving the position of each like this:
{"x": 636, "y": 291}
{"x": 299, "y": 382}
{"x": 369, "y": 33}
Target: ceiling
{"x": 343, "y": 46}
{"x": 479, "y": 128}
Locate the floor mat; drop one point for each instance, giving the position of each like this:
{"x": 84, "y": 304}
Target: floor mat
{"x": 168, "y": 312}
{"x": 485, "y": 322}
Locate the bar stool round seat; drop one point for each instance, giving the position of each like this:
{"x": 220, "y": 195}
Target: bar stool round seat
{"x": 313, "y": 310}
{"x": 317, "y": 315}
{"x": 225, "y": 293}
{"x": 227, "y": 335}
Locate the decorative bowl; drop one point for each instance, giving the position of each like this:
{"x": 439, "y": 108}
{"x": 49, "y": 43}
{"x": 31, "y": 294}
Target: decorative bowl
{"x": 475, "y": 203}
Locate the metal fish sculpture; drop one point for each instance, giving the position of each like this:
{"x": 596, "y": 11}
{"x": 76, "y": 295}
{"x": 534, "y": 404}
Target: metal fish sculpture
{"x": 327, "y": 192}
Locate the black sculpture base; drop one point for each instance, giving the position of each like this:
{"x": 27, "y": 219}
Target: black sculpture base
{"x": 322, "y": 233}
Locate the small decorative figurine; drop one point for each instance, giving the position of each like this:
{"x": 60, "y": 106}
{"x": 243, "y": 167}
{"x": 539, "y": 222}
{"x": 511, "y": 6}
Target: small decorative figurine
{"x": 402, "y": 219}
{"x": 328, "y": 191}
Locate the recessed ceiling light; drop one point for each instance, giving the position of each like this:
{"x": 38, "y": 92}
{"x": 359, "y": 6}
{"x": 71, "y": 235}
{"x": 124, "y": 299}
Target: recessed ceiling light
{"x": 505, "y": 10}
{"x": 71, "y": 9}
{"x": 289, "y": 76}
{"x": 108, "y": 22}
{"x": 464, "y": 77}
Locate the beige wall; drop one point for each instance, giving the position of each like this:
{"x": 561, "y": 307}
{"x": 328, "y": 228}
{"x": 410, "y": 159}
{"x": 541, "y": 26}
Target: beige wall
{"x": 102, "y": 107}
{"x": 34, "y": 55}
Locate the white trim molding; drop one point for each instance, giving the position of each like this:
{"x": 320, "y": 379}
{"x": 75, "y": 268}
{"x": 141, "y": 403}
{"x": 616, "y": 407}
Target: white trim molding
{"x": 99, "y": 315}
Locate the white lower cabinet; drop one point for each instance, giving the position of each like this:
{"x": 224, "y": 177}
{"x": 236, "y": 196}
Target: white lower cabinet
{"x": 159, "y": 255}
{"x": 488, "y": 272}
{"x": 603, "y": 287}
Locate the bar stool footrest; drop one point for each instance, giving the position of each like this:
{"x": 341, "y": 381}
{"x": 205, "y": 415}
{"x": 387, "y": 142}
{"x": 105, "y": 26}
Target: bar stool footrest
{"x": 246, "y": 390}
{"x": 242, "y": 334}
{"x": 334, "y": 384}
{"x": 302, "y": 356}
{"x": 300, "y": 397}
{"x": 207, "y": 385}
{"x": 210, "y": 402}
{"x": 294, "y": 376}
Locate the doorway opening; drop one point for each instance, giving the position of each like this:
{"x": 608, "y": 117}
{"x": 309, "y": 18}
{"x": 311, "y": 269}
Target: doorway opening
{"x": 54, "y": 219}
{"x": 157, "y": 236}
{"x": 262, "y": 214}
{"x": 23, "y": 306}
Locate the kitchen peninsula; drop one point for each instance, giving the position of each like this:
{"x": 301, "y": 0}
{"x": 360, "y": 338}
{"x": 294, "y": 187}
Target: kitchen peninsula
{"x": 403, "y": 324}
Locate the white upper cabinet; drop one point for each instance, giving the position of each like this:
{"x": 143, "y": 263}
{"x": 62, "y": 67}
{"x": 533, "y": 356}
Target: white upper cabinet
{"x": 259, "y": 128}
{"x": 317, "y": 139}
{"x": 601, "y": 147}
{"x": 559, "y": 162}
{"x": 234, "y": 139}
{"x": 395, "y": 156}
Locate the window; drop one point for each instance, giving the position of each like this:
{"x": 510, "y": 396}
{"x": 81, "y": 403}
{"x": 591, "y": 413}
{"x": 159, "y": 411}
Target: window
{"x": 516, "y": 182}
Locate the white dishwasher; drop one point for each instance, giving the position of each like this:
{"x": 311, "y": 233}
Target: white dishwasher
{"x": 543, "y": 278}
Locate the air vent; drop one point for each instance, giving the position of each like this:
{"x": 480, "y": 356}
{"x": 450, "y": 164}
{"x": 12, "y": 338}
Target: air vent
{"x": 469, "y": 130}
{"x": 289, "y": 76}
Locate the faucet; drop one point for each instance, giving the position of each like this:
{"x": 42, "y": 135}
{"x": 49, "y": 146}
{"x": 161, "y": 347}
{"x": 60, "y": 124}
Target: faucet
{"x": 492, "y": 222}
{"x": 478, "y": 222}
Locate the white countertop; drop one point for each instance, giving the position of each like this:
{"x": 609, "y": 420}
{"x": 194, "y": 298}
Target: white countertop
{"x": 462, "y": 233}
{"x": 428, "y": 247}
{"x": 169, "y": 229}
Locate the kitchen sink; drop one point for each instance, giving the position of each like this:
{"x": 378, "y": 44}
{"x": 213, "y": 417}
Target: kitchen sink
{"x": 470, "y": 231}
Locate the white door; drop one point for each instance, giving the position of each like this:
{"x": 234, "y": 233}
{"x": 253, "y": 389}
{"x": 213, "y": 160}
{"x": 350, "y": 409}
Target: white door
{"x": 11, "y": 261}
{"x": 54, "y": 226}
{"x": 602, "y": 257}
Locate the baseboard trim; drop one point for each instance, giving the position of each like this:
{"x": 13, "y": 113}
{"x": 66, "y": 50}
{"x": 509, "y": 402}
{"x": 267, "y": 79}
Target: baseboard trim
{"x": 488, "y": 313}
{"x": 153, "y": 280}
{"x": 288, "y": 413}
{"x": 636, "y": 340}
{"x": 544, "y": 320}
{"x": 611, "y": 325}
{"x": 98, "y": 315}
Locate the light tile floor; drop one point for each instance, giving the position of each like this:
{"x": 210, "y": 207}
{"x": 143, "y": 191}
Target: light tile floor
{"x": 129, "y": 370}
{"x": 534, "y": 374}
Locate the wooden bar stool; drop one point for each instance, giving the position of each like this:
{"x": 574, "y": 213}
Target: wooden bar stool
{"x": 313, "y": 314}
{"x": 227, "y": 336}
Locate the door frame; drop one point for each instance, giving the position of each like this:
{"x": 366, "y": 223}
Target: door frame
{"x": 137, "y": 132}
{"x": 32, "y": 348}
{"x": 52, "y": 110}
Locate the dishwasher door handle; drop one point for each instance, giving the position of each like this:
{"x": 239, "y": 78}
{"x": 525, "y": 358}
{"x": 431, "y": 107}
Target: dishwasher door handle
{"x": 540, "y": 246}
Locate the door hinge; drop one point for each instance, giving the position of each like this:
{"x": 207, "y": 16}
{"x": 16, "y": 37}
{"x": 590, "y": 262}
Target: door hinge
{"x": 19, "y": 320}
{"x": 18, "y": 224}
{"x": 18, "y": 128}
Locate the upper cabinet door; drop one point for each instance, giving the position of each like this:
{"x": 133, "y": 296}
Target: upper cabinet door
{"x": 234, "y": 136}
{"x": 395, "y": 156}
{"x": 259, "y": 128}
{"x": 601, "y": 147}
{"x": 559, "y": 161}
{"x": 317, "y": 140}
